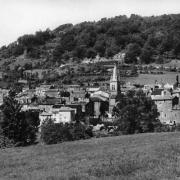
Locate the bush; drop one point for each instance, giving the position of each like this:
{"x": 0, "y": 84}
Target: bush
{"x": 177, "y": 127}
{"x": 162, "y": 128}
{"x": 95, "y": 121}
{"x": 5, "y": 142}
{"x": 53, "y": 133}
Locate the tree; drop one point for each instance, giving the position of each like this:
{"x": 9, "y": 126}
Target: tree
{"x": 19, "y": 126}
{"x": 68, "y": 41}
{"x": 177, "y": 48}
{"x": 100, "y": 45}
{"x": 91, "y": 53}
{"x": 57, "y": 53}
{"x": 104, "y": 107}
{"x": 146, "y": 54}
{"x": 136, "y": 113}
{"x": 133, "y": 51}
{"x": 105, "y": 37}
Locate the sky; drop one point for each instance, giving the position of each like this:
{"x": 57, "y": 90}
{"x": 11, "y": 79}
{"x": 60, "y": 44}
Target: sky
{"x": 19, "y": 17}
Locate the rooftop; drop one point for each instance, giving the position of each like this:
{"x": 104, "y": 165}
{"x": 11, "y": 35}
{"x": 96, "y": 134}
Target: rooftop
{"x": 157, "y": 92}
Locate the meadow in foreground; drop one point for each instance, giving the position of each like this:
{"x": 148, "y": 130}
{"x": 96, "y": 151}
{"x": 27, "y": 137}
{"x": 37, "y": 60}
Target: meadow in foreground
{"x": 140, "y": 157}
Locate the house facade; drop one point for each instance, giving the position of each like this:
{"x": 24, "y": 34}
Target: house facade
{"x": 168, "y": 111}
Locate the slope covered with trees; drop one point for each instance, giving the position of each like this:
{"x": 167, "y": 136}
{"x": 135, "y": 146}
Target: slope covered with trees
{"x": 146, "y": 39}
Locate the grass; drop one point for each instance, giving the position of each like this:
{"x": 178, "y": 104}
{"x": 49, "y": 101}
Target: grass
{"x": 168, "y": 77}
{"x": 133, "y": 157}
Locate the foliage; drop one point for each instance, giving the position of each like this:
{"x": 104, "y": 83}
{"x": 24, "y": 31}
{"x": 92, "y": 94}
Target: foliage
{"x": 5, "y": 142}
{"x": 65, "y": 94}
{"x": 146, "y": 55}
{"x": 136, "y": 113}
{"x": 53, "y": 133}
{"x": 19, "y": 126}
{"x": 133, "y": 51}
{"x": 162, "y": 128}
{"x": 177, "y": 127}
{"x": 144, "y": 37}
{"x": 39, "y": 38}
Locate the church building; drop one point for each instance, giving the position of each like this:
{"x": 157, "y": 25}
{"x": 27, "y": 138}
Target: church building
{"x": 114, "y": 89}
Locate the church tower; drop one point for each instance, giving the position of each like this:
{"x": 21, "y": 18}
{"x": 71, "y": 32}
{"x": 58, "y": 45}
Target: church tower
{"x": 114, "y": 89}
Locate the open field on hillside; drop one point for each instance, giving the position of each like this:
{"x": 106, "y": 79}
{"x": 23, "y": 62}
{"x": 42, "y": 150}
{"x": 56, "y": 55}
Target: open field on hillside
{"x": 168, "y": 77}
{"x": 140, "y": 157}
{"x": 21, "y": 61}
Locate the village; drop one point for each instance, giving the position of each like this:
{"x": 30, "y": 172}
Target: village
{"x": 94, "y": 103}
{"x": 90, "y": 90}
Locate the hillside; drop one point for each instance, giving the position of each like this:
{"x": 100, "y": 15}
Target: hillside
{"x": 148, "y": 38}
{"x": 142, "y": 156}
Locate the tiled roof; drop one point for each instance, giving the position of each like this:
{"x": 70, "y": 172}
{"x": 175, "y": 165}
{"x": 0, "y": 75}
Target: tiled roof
{"x": 64, "y": 108}
{"x": 45, "y": 114}
{"x": 98, "y": 98}
{"x": 157, "y": 92}
{"x": 161, "y": 98}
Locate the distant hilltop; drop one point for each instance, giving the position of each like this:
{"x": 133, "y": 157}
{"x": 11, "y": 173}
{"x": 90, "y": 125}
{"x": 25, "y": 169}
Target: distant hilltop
{"x": 142, "y": 39}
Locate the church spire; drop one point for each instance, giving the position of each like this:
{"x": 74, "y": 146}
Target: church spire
{"x": 114, "y": 75}
{"x": 114, "y": 88}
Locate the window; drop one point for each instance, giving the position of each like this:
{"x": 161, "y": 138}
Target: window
{"x": 113, "y": 87}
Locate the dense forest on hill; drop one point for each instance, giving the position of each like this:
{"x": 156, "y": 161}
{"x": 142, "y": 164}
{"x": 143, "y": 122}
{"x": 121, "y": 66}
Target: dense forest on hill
{"x": 145, "y": 39}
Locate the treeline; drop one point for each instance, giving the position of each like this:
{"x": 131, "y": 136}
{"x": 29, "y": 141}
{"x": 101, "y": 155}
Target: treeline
{"x": 142, "y": 38}
{"x": 29, "y": 43}
{"x": 145, "y": 39}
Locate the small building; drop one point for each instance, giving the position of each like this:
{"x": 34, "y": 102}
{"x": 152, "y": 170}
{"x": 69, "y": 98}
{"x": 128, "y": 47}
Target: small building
{"x": 63, "y": 115}
{"x": 53, "y": 93}
{"x": 36, "y": 73}
{"x": 59, "y": 115}
{"x": 72, "y": 87}
{"x": 92, "y": 89}
{"x": 77, "y": 95}
{"x": 40, "y": 91}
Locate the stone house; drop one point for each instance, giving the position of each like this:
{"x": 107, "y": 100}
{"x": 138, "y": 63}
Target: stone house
{"x": 61, "y": 115}
{"x": 168, "y": 112}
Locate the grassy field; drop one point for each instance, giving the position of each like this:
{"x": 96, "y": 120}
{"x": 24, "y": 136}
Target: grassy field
{"x": 136, "y": 157}
{"x": 168, "y": 77}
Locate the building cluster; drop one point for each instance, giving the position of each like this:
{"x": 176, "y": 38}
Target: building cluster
{"x": 67, "y": 103}
{"x": 117, "y": 57}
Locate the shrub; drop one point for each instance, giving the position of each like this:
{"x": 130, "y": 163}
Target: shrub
{"x": 162, "y": 128}
{"x": 95, "y": 121}
{"x": 80, "y": 132}
{"x": 178, "y": 127}
{"x": 5, "y": 142}
{"x": 53, "y": 133}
